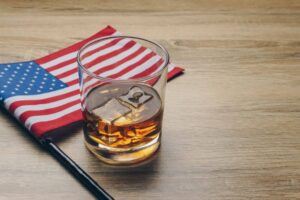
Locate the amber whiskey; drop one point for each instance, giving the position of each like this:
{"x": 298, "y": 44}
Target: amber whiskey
{"x": 123, "y": 118}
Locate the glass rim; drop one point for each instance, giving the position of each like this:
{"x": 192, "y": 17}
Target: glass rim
{"x": 107, "y": 79}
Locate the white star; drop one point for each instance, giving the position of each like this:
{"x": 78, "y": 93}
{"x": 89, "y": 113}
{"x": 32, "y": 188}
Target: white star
{"x": 18, "y": 67}
{"x": 1, "y": 76}
{"x": 2, "y": 73}
{"x": 38, "y": 90}
{"x": 13, "y": 75}
{"x": 29, "y": 67}
{"x": 38, "y": 69}
{"x": 44, "y": 78}
{"x": 36, "y": 72}
{"x": 5, "y": 86}
{"x": 8, "y": 82}
{"x": 18, "y": 85}
{"x": 52, "y": 84}
{"x": 33, "y": 81}
{"x": 35, "y": 77}
{"x": 21, "y": 81}
{"x": 13, "y": 93}
{"x": 45, "y": 74}
{"x": 23, "y": 78}
{"x": 51, "y": 88}
{"x": 61, "y": 85}
{"x": 31, "y": 63}
{"x": 17, "y": 89}
{"x": 41, "y": 86}
{"x": 53, "y": 80}
{"x": 10, "y": 79}
{"x": 8, "y": 65}
{"x": 15, "y": 72}
{"x": 27, "y": 70}
{"x": 29, "y": 88}
{"x": 26, "y": 92}
{"x": 25, "y": 74}
{"x": 43, "y": 82}
{"x": 5, "y": 69}
{"x": 2, "y": 91}
{"x": 20, "y": 64}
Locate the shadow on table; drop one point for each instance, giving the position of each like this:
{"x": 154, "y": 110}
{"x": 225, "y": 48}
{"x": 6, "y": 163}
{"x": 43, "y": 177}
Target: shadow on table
{"x": 127, "y": 178}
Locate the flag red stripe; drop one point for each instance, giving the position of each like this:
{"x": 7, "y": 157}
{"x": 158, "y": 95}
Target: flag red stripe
{"x": 110, "y": 44}
{"x": 17, "y": 104}
{"x": 114, "y": 65}
{"x": 148, "y": 71}
{"x": 133, "y": 66}
{"x": 62, "y": 64}
{"x": 98, "y": 60}
{"x": 28, "y": 114}
{"x": 110, "y": 55}
{"x": 176, "y": 71}
{"x": 105, "y": 32}
{"x": 127, "y": 69}
{"x": 40, "y": 128}
{"x": 74, "y": 60}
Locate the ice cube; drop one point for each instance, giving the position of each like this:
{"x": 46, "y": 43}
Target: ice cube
{"x": 135, "y": 97}
{"x": 111, "y": 111}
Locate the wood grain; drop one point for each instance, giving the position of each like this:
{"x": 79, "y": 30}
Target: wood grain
{"x": 232, "y": 122}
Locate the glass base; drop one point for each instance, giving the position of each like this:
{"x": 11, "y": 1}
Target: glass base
{"x": 124, "y": 156}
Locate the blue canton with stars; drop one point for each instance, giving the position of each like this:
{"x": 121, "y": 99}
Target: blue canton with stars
{"x": 26, "y": 78}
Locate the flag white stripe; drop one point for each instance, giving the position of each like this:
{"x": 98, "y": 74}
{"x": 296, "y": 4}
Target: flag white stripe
{"x": 120, "y": 67}
{"x": 64, "y": 69}
{"x": 73, "y": 55}
{"x": 141, "y": 68}
{"x": 124, "y": 65}
{"x": 115, "y": 47}
{"x": 10, "y": 100}
{"x": 171, "y": 67}
{"x": 21, "y": 109}
{"x": 145, "y": 65}
{"x": 59, "y": 60}
{"x": 104, "y": 63}
{"x": 35, "y": 119}
{"x": 71, "y": 66}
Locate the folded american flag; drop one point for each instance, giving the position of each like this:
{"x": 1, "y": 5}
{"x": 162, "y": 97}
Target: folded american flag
{"x": 43, "y": 94}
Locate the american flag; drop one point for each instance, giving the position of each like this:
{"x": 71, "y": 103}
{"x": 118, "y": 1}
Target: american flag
{"x": 43, "y": 94}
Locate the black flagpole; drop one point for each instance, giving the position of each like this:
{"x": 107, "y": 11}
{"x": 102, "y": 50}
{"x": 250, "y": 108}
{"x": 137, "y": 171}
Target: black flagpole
{"x": 76, "y": 171}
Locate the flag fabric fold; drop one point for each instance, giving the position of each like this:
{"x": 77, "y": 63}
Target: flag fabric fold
{"x": 43, "y": 94}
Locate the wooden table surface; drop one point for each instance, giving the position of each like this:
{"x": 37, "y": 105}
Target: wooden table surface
{"x": 232, "y": 122}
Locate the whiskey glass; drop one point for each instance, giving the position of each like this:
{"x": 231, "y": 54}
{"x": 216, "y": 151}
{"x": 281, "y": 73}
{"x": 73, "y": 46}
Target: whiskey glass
{"x": 122, "y": 83}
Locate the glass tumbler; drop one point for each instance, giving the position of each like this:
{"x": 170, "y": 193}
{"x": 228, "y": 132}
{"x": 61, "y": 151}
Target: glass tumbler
{"x": 122, "y": 87}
